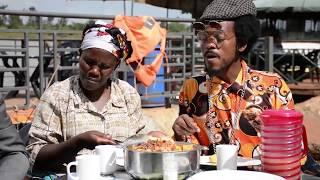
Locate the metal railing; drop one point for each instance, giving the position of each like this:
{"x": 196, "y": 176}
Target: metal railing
{"x": 41, "y": 63}
{"x": 294, "y": 65}
{"x": 43, "y": 52}
{"x": 23, "y": 70}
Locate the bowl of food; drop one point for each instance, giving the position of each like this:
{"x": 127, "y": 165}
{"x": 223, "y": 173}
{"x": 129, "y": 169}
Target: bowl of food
{"x": 159, "y": 157}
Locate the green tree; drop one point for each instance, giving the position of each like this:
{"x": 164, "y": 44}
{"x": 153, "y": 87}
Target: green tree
{"x": 77, "y": 26}
{"x": 50, "y": 20}
{"x": 177, "y": 27}
{"x": 91, "y": 21}
{"x": 62, "y": 23}
{"x": 3, "y": 18}
{"x": 14, "y": 22}
{"x": 33, "y": 20}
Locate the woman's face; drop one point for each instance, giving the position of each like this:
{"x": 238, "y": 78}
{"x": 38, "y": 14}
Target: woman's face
{"x": 96, "y": 67}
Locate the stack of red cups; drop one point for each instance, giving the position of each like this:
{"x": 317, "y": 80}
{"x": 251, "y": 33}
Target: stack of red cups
{"x": 282, "y": 139}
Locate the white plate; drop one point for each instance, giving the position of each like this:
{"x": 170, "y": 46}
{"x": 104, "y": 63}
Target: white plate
{"x": 241, "y": 161}
{"x": 234, "y": 174}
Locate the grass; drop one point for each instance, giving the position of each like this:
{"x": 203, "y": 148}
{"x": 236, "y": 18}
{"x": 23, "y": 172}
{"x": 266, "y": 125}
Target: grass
{"x": 35, "y": 36}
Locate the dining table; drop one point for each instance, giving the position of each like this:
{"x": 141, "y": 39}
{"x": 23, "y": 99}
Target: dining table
{"x": 245, "y": 166}
{"x": 121, "y": 174}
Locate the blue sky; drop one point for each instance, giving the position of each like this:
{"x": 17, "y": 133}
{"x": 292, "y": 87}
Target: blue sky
{"x": 92, "y": 7}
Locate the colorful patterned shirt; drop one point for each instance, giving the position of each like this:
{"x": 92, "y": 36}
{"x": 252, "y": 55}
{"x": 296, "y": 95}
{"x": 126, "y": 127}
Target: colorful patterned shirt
{"x": 64, "y": 111}
{"x": 229, "y": 113}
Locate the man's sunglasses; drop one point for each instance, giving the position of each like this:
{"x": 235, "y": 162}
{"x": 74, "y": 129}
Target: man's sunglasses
{"x": 198, "y": 26}
{"x": 217, "y": 35}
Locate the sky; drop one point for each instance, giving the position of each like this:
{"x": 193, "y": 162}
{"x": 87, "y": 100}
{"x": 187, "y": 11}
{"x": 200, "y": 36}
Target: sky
{"x": 108, "y": 7}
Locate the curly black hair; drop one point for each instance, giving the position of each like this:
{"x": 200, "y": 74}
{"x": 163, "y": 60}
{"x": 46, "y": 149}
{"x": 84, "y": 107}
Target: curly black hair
{"x": 114, "y": 32}
{"x": 247, "y": 30}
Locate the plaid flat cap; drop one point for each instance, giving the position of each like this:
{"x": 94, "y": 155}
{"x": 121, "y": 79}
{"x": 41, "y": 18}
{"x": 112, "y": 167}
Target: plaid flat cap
{"x": 228, "y": 9}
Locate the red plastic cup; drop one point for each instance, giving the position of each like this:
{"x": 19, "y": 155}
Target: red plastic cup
{"x": 280, "y": 154}
{"x": 284, "y": 170}
{"x": 283, "y": 132}
{"x": 279, "y": 161}
{"x": 276, "y": 163}
{"x": 281, "y": 167}
{"x": 281, "y": 128}
{"x": 294, "y": 177}
{"x": 270, "y": 158}
{"x": 271, "y": 145}
{"x": 288, "y": 149}
{"x": 288, "y": 174}
{"x": 273, "y": 117}
{"x": 281, "y": 135}
{"x": 288, "y": 140}
{"x": 277, "y": 140}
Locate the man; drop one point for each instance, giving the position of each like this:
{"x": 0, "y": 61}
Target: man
{"x": 223, "y": 105}
{"x": 13, "y": 156}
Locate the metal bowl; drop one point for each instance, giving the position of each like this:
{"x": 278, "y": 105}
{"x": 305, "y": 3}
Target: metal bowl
{"x": 154, "y": 165}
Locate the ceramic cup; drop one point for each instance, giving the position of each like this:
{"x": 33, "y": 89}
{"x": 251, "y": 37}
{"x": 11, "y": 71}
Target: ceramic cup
{"x": 108, "y": 157}
{"x": 227, "y": 156}
{"x": 87, "y": 167}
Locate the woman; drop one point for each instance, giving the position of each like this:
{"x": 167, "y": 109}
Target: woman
{"x": 86, "y": 110}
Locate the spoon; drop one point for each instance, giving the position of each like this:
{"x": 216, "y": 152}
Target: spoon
{"x": 140, "y": 138}
{"x": 134, "y": 139}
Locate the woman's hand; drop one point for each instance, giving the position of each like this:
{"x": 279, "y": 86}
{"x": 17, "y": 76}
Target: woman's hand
{"x": 184, "y": 125}
{"x": 91, "y": 139}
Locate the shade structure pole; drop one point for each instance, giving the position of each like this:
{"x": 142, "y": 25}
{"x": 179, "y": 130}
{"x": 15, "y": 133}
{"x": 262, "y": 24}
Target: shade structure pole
{"x": 167, "y": 15}
{"x": 132, "y": 5}
{"x": 124, "y": 7}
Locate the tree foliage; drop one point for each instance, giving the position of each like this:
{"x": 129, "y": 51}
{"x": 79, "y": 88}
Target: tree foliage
{"x": 32, "y": 20}
{"x": 57, "y": 23}
{"x": 178, "y": 27}
{"x": 14, "y": 22}
{"x": 3, "y": 18}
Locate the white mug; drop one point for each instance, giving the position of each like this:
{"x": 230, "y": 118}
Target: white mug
{"x": 227, "y": 156}
{"x": 108, "y": 157}
{"x": 120, "y": 157}
{"x": 87, "y": 167}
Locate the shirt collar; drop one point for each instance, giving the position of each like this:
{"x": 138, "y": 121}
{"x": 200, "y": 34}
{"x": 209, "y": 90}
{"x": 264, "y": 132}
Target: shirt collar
{"x": 241, "y": 77}
{"x": 116, "y": 96}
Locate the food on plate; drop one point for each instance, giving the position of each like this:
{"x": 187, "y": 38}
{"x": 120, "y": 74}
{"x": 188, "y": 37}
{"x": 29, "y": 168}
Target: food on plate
{"x": 213, "y": 158}
{"x": 184, "y": 147}
{"x": 162, "y": 144}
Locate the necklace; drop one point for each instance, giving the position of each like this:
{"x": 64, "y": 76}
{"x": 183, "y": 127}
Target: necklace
{"x": 234, "y": 120}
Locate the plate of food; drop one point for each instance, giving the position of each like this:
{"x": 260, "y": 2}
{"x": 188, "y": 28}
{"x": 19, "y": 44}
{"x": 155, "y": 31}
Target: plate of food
{"x": 234, "y": 174}
{"x": 241, "y": 161}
